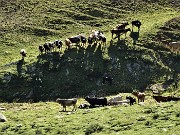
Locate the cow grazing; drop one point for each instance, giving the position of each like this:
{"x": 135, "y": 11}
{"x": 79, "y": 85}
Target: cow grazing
{"x": 41, "y": 48}
{"x": 96, "y": 101}
{"x": 139, "y": 95}
{"x": 23, "y": 53}
{"x": 136, "y": 23}
{"x": 131, "y": 99}
{"x": 67, "y": 102}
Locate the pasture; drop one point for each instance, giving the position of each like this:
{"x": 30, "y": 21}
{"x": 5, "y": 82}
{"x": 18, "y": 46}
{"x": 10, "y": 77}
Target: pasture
{"x": 43, "y": 118}
{"x": 136, "y": 62}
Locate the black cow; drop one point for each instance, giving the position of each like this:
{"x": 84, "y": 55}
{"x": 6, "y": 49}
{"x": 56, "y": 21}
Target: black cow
{"x": 96, "y": 101}
{"x": 75, "y": 39}
{"x": 46, "y": 47}
{"x": 51, "y": 46}
{"x": 41, "y": 48}
{"x": 136, "y": 23}
{"x": 132, "y": 100}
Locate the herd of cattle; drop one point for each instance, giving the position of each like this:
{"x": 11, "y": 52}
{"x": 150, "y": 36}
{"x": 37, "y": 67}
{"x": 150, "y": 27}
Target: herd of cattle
{"x": 116, "y": 100}
{"x": 94, "y": 37}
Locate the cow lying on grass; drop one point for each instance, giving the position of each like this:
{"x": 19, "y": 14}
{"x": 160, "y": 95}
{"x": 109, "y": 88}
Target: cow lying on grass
{"x": 114, "y": 99}
{"x": 166, "y": 99}
{"x": 67, "y": 102}
{"x": 122, "y": 102}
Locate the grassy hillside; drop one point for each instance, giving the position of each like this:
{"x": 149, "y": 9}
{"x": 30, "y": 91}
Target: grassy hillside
{"x": 135, "y": 63}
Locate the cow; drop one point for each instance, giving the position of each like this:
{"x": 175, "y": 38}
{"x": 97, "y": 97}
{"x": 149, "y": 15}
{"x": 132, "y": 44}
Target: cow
{"x": 41, "y": 49}
{"x": 51, "y": 46}
{"x": 166, "y": 98}
{"x": 68, "y": 43}
{"x": 96, "y": 101}
{"x": 58, "y": 44}
{"x": 139, "y": 95}
{"x": 114, "y": 99}
{"x": 75, "y": 39}
{"x": 46, "y": 47}
{"x": 102, "y": 38}
{"x": 119, "y": 32}
{"x": 131, "y": 99}
{"x": 122, "y": 102}
{"x": 94, "y": 36}
{"x": 23, "y": 53}
{"x": 67, "y": 102}
{"x": 136, "y": 23}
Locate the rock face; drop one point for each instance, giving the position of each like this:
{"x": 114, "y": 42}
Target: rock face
{"x": 2, "y": 118}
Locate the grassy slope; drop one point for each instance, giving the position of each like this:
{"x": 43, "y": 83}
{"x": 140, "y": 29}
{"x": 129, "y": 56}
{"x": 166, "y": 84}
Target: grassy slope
{"x": 30, "y": 23}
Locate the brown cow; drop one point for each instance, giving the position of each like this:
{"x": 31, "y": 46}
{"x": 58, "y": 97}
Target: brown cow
{"x": 139, "y": 95}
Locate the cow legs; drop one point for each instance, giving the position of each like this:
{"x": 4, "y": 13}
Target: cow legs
{"x": 112, "y": 35}
{"x": 64, "y": 108}
{"x": 75, "y": 107}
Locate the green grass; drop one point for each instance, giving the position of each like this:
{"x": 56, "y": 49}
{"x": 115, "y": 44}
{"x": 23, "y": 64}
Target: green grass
{"x": 45, "y": 118}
